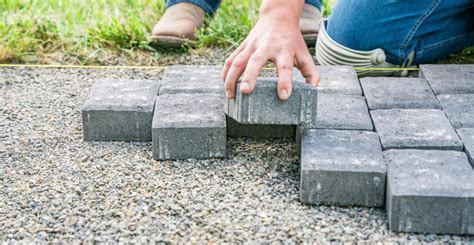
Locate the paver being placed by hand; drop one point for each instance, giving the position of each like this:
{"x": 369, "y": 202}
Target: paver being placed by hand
{"x": 415, "y": 129}
{"x": 119, "y": 109}
{"x": 237, "y": 130}
{"x": 336, "y": 79}
{"x": 336, "y": 111}
{"x": 398, "y": 93}
{"x": 467, "y": 137}
{"x": 263, "y": 106}
{"x": 459, "y": 108}
{"x": 449, "y": 79}
{"x": 189, "y": 126}
{"x": 429, "y": 192}
{"x": 341, "y": 168}
{"x": 191, "y": 79}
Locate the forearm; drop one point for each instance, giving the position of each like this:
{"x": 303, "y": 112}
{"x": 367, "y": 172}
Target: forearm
{"x": 282, "y": 10}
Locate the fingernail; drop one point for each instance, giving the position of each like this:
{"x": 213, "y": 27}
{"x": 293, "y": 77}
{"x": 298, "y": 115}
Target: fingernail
{"x": 284, "y": 94}
{"x": 228, "y": 94}
{"x": 244, "y": 86}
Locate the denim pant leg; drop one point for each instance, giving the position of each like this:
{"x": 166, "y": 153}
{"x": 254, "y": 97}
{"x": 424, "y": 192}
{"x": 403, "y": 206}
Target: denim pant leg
{"x": 316, "y": 3}
{"x": 209, "y": 6}
{"x": 430, "y": 28}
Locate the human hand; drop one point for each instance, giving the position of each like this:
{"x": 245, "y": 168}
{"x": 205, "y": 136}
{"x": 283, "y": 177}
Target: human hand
{"x": 278, "y": 40}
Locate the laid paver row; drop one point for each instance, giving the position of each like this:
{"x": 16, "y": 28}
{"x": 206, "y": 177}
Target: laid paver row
{"x": 342, "y": 162}
{"x": 427, "y": 190}
{"x": 454, "y": 88}
{"x": 424, "y": 193}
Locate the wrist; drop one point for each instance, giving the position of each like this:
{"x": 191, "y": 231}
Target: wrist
{"x": 281, "y": 10}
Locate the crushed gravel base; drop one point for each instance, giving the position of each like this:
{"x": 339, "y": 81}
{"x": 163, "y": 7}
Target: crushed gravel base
{"x": 56, "y": 187}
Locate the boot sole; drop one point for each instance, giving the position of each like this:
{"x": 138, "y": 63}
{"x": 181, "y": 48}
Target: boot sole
{"x": 171, "y": 42}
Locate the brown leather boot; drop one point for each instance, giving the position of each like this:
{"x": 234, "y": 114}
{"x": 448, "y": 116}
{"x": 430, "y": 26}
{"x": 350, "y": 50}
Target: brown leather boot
{"x": 309, "y": 23}
{"x": 178, "y": 26}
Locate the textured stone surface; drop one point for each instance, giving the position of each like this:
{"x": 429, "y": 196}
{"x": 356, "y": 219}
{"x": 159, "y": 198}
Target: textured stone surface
{"x": 189, "y": 126}
{"x": 263, "y": 106}
{"x": 337, "y": 111}
{"x": 429, "y": 192}
{"x": 467, "y": 137}
{"x": 449, "y": 79}
{"x": 119, "y": 109}
{"x": 190, "y": 79}
{"x": 398, "y": 93}
{"x": 336, "y": 79}
{"x": 415, "y": 128}
{"x": 235, "y": 129}
{"x": 459, "y": 108}
{"x": 101, "y": 192}
{"x": 341, "y": 168}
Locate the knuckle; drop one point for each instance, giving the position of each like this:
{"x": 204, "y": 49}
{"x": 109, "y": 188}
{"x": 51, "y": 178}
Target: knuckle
{"x": 228, "y": 62}
{"x": 239, "y": 62}
{"x": 285, "y": 65}
{"x": 257, "y": 58}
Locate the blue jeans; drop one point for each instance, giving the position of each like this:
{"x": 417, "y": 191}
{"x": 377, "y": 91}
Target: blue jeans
{"x": 210, "y": 6}
{"x": 432, "y": 29}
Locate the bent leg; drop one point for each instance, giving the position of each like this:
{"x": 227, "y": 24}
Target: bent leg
{"x": 430, "y": 29}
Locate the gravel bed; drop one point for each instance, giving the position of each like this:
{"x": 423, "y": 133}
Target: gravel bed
{"x": 56, "y": 187}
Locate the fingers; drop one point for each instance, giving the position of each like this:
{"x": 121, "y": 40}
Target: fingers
{"x": 230, "y": 59}
{"x": 284, "y": 64}
{"x": 255, "y": 64}
{"x": 236, "y": 69}
{"x": 308, "y": 69}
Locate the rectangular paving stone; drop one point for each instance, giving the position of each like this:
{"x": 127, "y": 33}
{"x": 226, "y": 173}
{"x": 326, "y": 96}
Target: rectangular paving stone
{"x": 263, "y": 106}
{"x": 449, "y": 79}
{"x": 336, "y": 79}
{"x": 341, "y": 168}
{"x": 336, "y": 111}
{"x": 189, "y": 126}
{"x": 467, "y": 136}
{"x": 190, "y": 79}
{"x": 459, "y": 108}
{"x": 237, "y": 130}
{"x": 429, "y": 192}
{"x": 119, "y": 110}
{"x": 398, "y": 93}
{"x": 415, "y": 129}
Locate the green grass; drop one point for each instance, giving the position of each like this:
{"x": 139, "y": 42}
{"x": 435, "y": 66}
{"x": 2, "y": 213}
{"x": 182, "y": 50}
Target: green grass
{"x": 36, "y": 28}
{"x": 86, "y": 31}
